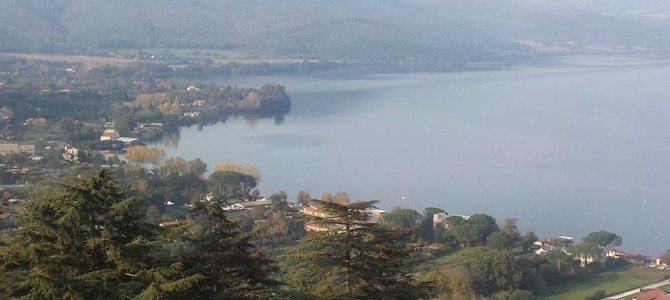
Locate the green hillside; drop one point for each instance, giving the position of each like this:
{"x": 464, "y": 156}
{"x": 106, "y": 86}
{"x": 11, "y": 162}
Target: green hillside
{"x": 373, "y": 30}
{"x": 346, "y": 29}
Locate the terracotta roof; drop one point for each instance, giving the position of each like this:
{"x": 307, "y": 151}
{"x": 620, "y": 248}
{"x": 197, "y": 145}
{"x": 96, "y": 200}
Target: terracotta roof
{"x": 650, "y": 295}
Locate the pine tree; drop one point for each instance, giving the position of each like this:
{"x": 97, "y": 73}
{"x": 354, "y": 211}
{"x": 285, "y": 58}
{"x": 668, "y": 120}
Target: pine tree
{"x": 85, "y": 241}
{"x": 354, "y": 258}
{"x": 232, "y": 266}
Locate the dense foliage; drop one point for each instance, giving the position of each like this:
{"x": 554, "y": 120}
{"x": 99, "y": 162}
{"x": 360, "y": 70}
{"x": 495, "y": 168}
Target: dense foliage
{"x": 353, "y": 258}
{"x": 85, "y": 241}
{"x": 36, "y": 99}
{"x": 390, "y": 31}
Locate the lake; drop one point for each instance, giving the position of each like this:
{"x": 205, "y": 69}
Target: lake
{"x": 571, "y": 148}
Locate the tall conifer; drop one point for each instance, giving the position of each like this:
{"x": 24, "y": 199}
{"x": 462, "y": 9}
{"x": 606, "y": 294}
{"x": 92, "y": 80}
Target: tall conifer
{"x": 232, "y": 266}
{"x": 86, "y": 241}
{"x": 354, "y": 258}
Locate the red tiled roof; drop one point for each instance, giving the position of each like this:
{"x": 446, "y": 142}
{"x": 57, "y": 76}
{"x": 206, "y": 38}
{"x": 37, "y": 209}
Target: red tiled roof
{"x": 650, "y": 295}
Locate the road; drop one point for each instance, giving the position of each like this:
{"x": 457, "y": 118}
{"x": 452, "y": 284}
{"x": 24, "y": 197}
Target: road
{"x": 637, "y": 290}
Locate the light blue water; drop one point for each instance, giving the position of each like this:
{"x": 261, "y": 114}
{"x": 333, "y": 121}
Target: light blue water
{"x": 567, "y": 149}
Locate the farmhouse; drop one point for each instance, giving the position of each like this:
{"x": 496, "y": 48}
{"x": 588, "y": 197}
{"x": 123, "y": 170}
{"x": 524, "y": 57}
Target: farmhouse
{"x": 109, "y": 135}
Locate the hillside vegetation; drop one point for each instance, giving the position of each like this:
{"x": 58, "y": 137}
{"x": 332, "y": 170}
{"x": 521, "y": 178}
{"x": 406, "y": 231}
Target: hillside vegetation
{"x": 441, "y": 32}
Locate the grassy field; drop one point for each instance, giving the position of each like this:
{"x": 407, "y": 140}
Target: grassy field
{"x": 188, "y": 53}
{"x": 462, "y": 256}
{"x": 220, "y": 57}
{"x": 86, "y": 61}
{"x": 612, "y": 282}
{"x": 217, "y": 56}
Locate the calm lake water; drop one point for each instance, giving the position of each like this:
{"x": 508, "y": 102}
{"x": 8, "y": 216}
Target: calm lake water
{"x": 567, "y": 149}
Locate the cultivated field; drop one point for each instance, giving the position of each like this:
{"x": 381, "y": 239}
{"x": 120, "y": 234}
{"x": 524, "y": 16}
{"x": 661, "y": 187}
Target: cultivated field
{"x": 86, "y": 61}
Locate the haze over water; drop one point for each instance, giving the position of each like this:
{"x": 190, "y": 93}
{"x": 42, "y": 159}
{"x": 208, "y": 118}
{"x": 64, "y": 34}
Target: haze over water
{"x": 567, "y": 149}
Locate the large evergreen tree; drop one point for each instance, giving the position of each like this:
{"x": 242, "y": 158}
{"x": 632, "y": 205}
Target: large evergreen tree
{"x": 354, "y": 258}
{"x": 231, "y": 264}
{"x": 86, "y": 241}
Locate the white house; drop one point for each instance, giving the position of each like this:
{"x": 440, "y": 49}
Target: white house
{"x": 441, "y": 218}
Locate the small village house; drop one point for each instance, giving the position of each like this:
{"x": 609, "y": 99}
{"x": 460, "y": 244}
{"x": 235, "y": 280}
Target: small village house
{"x": 109, "y": 135}
{"x": 545, "y": 245}
{"x": 71, "y": 154}
{"x": 252, "y": 204}
{"x": 441, "y": 219}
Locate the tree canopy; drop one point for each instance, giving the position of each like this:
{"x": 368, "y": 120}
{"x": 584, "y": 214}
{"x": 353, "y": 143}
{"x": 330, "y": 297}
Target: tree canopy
{"x": 665, "y": 258}
{"x": 231, "y": 184}
{"x": 143, "y": 155}
{"x": 603, "y": 239}
{"x": 354, "y": 259}
{"x": 86, "y": 241}
{"x": 402, "y": 218}
{"x": 498, "y": 240}
{"x": 484, "y": 223}
{"x": 231, "y": 265}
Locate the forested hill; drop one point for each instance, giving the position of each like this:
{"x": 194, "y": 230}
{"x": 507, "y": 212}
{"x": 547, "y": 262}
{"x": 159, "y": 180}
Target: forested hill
{"x": 382, "y": 30}
{"x": 343, "y": 29}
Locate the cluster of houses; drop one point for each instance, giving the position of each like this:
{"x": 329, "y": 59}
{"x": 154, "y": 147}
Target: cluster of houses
{"x": 632, "y": 257}
{"x": 310, "y": 210}
{"x": 563, "y": 243}
{"x": 69, "y": 153}
{"x": 112, "y": 135}
{"x": 559, "y": 243}
{"x": 143, "y": 130}
{"x": 193, "y": 113}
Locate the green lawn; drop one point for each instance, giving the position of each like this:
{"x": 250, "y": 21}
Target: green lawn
{"x": 463, "y": 256}
{"x": 613, "y": 282}
{"x": 460, "y": 257}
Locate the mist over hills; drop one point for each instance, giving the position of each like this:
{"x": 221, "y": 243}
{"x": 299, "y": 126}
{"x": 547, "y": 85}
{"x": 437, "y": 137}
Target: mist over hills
{"x": 443, "y": 31}
{"x": 591, "y": 23}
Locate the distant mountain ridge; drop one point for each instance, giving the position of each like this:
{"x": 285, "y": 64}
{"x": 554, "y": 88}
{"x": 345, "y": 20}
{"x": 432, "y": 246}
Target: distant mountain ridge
{"x": 438, "y": 30}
